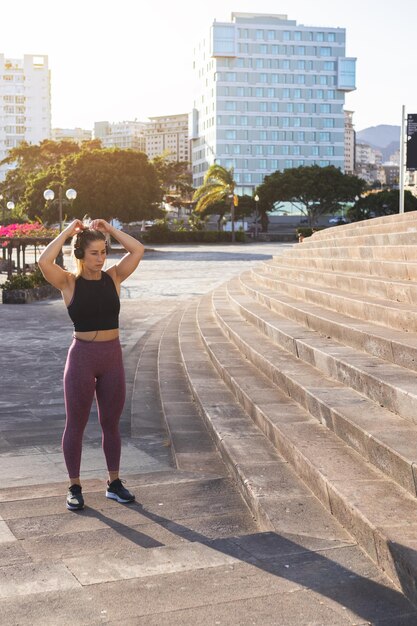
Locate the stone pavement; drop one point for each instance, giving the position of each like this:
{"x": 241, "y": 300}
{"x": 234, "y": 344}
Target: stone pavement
{"x": 189, "y": 551}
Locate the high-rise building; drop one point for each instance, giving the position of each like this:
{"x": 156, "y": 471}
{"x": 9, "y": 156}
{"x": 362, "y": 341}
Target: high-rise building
{"x": 122, "y": 135}
{"x": 168, "y": 135}
{"x": 78, "y": 135}
{"x": 349, "y": 143}
{"x": 25, "y": 103}
{"x": 270, "y": 96}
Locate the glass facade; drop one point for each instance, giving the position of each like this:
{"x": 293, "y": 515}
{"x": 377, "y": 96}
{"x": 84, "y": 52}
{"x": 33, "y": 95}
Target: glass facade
{"x": 285, "y": 85}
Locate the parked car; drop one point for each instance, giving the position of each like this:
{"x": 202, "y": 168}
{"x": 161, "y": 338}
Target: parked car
{"x": 338, "y": 220}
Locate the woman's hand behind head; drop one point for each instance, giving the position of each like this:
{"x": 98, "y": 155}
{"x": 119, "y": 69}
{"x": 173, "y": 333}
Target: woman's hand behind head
{"x": 74, "y": 228}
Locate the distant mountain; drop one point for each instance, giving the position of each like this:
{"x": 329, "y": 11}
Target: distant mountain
{"x": 384, "y": 137}
{"x": 380, "y": 136}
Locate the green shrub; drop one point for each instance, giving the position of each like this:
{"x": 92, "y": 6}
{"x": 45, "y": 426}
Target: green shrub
{"x": 162, "y": 234}
{"x": 24, "y": 281}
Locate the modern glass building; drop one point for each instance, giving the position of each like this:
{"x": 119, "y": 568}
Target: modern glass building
{"x": 269, "y": 96}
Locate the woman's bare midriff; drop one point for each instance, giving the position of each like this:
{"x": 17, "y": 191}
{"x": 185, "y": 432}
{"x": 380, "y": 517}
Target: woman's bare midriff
{"x": 100, "y": 335}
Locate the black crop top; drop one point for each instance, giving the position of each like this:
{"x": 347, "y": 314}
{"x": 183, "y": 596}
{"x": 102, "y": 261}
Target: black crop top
{"x": 95, "y": 304}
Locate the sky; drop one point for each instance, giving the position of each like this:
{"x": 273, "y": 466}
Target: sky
{"x": 132, "y": 59}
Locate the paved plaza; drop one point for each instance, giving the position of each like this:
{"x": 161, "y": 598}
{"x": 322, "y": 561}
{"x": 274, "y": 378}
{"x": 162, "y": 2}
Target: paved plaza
{"x": 189, "y": 551}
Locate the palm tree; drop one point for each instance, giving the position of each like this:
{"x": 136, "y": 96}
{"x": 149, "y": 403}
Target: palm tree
{"x": 218, "y": 187}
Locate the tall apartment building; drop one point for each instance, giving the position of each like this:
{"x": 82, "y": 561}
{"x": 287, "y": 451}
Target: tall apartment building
{"x": 78, "y": 135}
{"x": 168, "y": 135}
{"x": 122, "y": 135}
{"x": 349, "y": 143}
{"x": 25, "y": 102}
{"x": 270, "y": 96}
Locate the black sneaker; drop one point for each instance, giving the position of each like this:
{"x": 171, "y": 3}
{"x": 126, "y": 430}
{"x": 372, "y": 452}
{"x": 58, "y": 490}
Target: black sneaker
{"x": 75, "y": 500}
{"x": 116, "y": 491}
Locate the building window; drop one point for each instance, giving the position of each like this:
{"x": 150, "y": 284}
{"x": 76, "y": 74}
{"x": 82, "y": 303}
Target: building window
{"x": 287, "y": 35}
{"x": 274, "y": 50}
{"x": 231, "y": 77}
{"x": 230, "y": 134}
{"x": 270, "y": 93}
{"x": 270, "y": 149}
{"x": 301, "y": 50}
{"x": 262, "y": 164}
{"x": 314, "y": 151}
{"x": 300, "y": 79}
{"x": 244, "y": 120}
{"x": 259, "y": 63}
{"x": 274, "y": 164}
{"x": 273, "y": 107}
{"x": 328, "y": 122}
{"x": 263, "y": 78}
{"x": 259, "y": 121}
{"x": 296, "y": 150}
{"x": 319, "y": 36}
{"x": 325, "y": 108}
{"x": 329, "y": 151}
{"x": 324, "y": 136}
{"x": 297, "y": 93}
{"x": 258, "y": 150}
{"x": 259, "y": 34}
{"x": 243, "y": 48}
{"x": 263, "y": 107}
{"x": 259, "y": 92}
{"x": 288, "y": 164}
{"x": 263, "y": 49}
{"x": 230, "y": 105}
{"x": 329, "y": 66}
{"x": 325, "y": 51}
{"x": 297, "y": 35}
{"x": 285, "y": 150}
{"x": 285, "y": 93}
{"x": 271, "y": 35}
{"x": 331, "y": 37}
{"x": 285, "y": 64}
{"x": 299, "y": 135}
{"x": 301, "y": 65}
{"x": 290, "y": 107}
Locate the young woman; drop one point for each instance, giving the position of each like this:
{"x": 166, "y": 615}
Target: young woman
{"x": 94, "y": 363}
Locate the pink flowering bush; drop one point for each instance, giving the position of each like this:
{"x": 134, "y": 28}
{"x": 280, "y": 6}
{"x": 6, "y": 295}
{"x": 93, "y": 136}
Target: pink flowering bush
{"x": 34, "y": 230}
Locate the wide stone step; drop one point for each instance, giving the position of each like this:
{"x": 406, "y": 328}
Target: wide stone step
{"x": 389, "y": 385}
{"x": 403, "y": 253}
{"x": 391, "y": 345}
{"x": 386, "y": 223}
{"x": 381, "y": 437}
{"x": 391, "y": 238}
{"x": 268, "y": 484}
{"x": 397, "y": 270}
{"x": 396, "y": 290}
{"x": 384, "y": 312}
{"x": 356, "y": 493}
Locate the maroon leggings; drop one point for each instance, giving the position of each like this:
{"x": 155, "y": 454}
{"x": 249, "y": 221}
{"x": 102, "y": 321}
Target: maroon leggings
{"x": 93, "y": 367}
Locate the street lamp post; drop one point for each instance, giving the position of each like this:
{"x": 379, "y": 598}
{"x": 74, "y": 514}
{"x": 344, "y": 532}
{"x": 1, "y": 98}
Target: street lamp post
{"x": 256, "y": 198}
{"x": 9, "y": 205}
{"x": 49, "y": 196}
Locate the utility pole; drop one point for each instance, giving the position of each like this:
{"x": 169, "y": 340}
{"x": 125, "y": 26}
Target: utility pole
{"x": 402, "y": 158}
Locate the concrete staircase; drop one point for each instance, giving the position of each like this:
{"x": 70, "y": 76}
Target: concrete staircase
{"x": 311, "y": 360}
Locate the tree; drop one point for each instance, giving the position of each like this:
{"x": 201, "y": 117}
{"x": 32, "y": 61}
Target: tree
{"x": 218, "y": 188}
{"x": 174, "y": 175}
{"x": 381, "y": 203}
{"x": 29, "y": 160}
{"x": 110, "y": 183}
{"x": 317, "y": 190}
